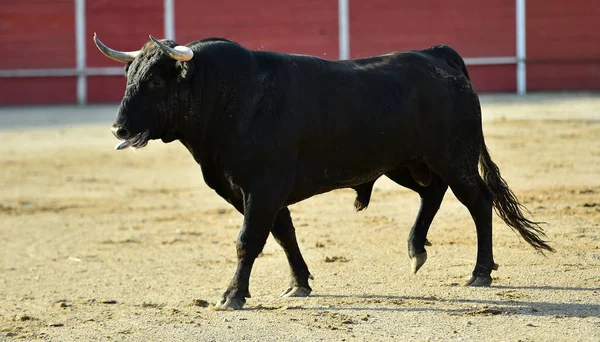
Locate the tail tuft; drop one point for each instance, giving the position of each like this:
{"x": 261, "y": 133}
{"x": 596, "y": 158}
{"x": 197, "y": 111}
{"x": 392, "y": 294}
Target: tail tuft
{"x": 507, "y": 205}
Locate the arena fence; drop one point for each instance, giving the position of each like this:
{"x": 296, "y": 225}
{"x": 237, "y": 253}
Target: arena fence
{"x": 82, "y": 71}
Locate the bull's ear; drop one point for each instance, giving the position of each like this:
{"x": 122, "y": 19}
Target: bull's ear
{"x": 186, "y": 69}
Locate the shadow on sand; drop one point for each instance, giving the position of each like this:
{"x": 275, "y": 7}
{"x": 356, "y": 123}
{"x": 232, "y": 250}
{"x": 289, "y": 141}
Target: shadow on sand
{"x": 484, "y": 307}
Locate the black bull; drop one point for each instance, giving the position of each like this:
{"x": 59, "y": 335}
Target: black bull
{"x": 271, "y": 129}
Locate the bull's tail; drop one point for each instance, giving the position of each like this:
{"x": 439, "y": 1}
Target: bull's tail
{"x": 507, "y": 205}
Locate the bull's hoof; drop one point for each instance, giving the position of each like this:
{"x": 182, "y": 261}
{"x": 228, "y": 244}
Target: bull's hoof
{"x": 427, "y": 243}
{"x": 479, "y": 281}
{"x": 417, "y": 261}
{"x": 296, "y": 291}
{"x": 230, "y": 304}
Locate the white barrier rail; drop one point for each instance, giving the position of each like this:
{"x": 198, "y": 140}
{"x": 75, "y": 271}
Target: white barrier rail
{"x": 62, "y": 72}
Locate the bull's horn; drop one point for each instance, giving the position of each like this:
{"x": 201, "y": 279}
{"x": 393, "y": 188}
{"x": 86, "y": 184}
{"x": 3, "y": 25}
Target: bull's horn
{"x": 119, "y": 56}
{"x": 180, "y": 52}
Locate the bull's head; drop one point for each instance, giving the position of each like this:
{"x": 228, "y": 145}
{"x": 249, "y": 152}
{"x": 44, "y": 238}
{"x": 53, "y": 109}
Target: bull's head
{"x": 155, "y": 75}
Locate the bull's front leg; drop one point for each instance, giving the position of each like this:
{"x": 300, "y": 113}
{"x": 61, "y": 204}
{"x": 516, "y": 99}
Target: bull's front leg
{"x": 260, "y": 209}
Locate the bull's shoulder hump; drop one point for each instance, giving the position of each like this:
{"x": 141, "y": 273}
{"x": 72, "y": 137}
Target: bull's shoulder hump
{"x": 212, "y": 40}
{"x": 216, "y": 44}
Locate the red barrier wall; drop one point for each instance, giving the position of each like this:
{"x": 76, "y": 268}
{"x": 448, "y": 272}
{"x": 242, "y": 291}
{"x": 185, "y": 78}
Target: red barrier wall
{"x": 563, "y": 44}
{"x": 562, "y": 37}
{"x": 38, "y": 90}
{"x": 472, "y": 27}
{"x": 122, "y": 25}
{"x": 37, "y": 35}
{"x": 303, "y": 26}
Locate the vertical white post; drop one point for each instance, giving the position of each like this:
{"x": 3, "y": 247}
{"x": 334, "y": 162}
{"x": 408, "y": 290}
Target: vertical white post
{"x": 80, "y": 51}
{"x": 344, "y": 29}
{"x": 521, "y": 48}
{"x": 169, "y": 15}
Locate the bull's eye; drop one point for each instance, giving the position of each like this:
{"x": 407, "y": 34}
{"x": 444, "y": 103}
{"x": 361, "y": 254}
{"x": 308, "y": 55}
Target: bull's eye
{"x": 156, "y": 83}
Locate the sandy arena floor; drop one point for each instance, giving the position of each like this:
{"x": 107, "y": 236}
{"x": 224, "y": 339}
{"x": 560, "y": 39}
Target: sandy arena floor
{"x": 104, "y": 245}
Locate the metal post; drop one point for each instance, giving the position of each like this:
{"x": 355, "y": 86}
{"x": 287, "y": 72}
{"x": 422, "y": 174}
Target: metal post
{"x": 344, "y": 29}
{"x": 80, "y": 51}
{"x": 521, "y": 48}
{"x": 169, "y": 15}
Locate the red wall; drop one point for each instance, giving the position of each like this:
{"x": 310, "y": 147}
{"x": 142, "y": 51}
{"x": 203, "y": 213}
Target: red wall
{"x": 563, "y": 44}
{"x": 38, "y": 90}
{"x": 562, "y": 37}
{"x": 36, "y": 35}
{"x": 301, "y": 26}
{"x": 474, "y": 28}
{"x": 122, "y": 25}
{"x": 493, "y": 78}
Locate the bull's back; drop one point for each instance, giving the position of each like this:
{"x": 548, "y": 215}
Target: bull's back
{"x": 369, "y": 103}
{"x": 352, "y": 121}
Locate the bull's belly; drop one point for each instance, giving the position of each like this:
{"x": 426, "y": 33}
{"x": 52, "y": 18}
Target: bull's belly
{"x": 314, "y": 179}
{"x": 360, "y": 155}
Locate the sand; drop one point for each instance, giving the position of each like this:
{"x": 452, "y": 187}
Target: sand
{"x": 102, "y": 245}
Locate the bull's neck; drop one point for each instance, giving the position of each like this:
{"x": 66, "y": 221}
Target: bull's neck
{"x": 199, "y": 122}
{"x": 214, "y": 102}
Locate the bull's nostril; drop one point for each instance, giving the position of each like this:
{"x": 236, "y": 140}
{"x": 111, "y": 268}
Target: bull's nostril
{"x": 122, "y": 133}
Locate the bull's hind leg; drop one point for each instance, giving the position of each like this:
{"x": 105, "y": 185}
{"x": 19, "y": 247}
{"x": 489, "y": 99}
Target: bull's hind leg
{"x": 431, "y": 198}
{"x": 284, "y": 233}
{"x": 472, "y": 191}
